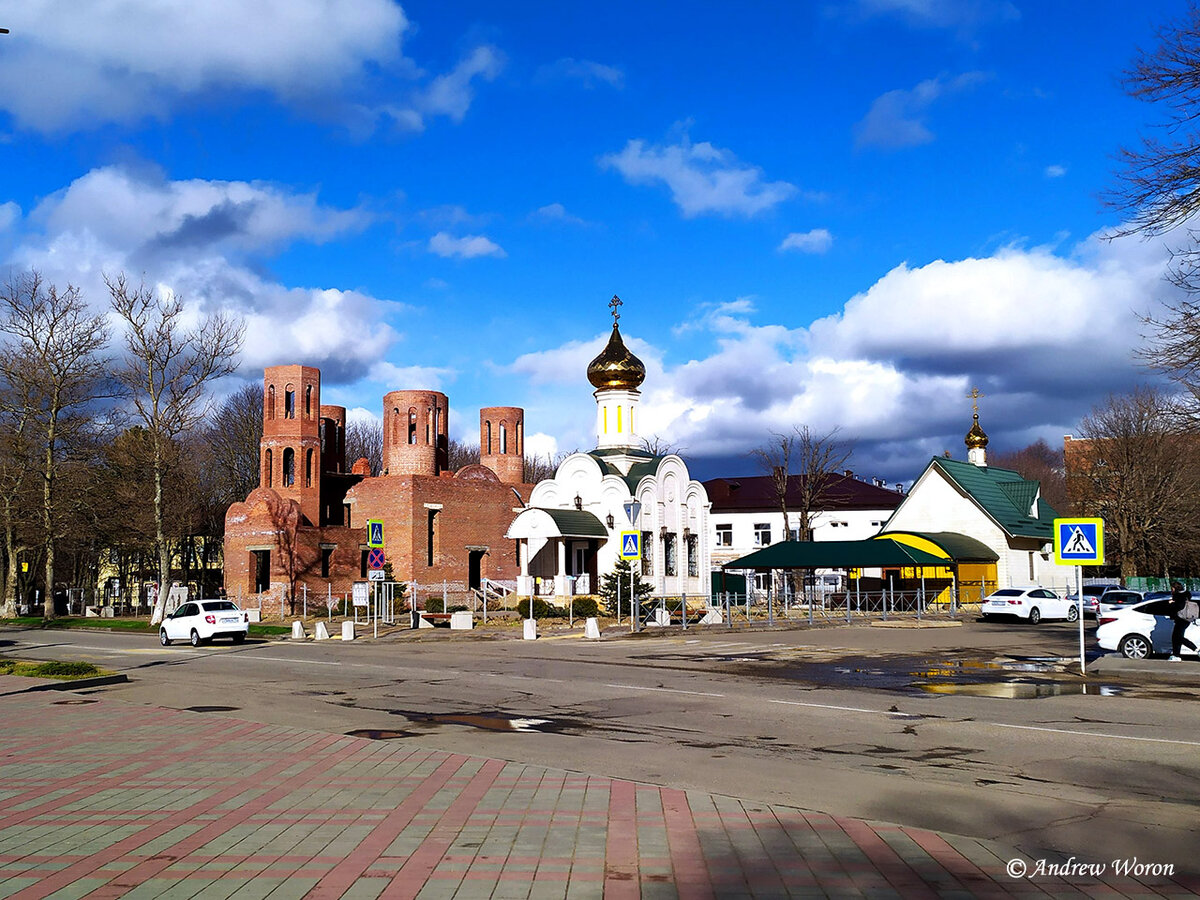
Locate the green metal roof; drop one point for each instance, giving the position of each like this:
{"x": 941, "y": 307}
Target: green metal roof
{"x": 958, "y": 547}
{"x": 835, "y": 555}
{"x": 1004, "y": 495}
{"x": 576, "y": 523}
{"x": 637, "y": 471}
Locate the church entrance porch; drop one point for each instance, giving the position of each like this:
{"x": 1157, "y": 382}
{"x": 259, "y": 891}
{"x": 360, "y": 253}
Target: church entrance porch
{"x": 557, "y": 551}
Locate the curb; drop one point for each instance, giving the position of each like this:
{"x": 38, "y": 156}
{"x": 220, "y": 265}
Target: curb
{"x": 78, "y": 683}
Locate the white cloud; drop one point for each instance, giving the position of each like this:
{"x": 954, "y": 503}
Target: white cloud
{"x": 819, "y": 240}
{"x": 556, "y": 212}
{"x": 204, "y": 240}
{"x": 1055, "y": 171}
{"x": 466, "y": 247}
{"x": 540, "y": 445}
{"x": 897, "y": 119}
{"x": 702, "y": 178}
{"x": 10, "y": 214}
{"x": 451, "y": 94}
{"x": 583, "y": 70}
{"x": 959, "y": 14}
{"x": 120, "y": 62}
{"x": 416, "y": 378}
{"x": 1044, "y": 334}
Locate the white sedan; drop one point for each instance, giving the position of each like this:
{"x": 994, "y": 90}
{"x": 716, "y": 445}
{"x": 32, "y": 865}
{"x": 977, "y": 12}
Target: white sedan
{"x": 1142, "y": 630}
{"x": 1030, "y": 603}
{"x": 202, "y": 620}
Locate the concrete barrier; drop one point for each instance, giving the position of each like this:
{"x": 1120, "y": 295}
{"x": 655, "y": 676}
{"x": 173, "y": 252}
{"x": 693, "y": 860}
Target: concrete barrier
{"x": 254, "y": 614}
{"x": 347, "y": 630}
{"x": 321, "y": 633}
{"x": 712, "y": 617}
{"x": 298, "y": 631}
{"x": 531, "y": 629}
{"x": 661, "y": 617}
{"x": 462, "y": 620}
{"x": 591, "y": 629}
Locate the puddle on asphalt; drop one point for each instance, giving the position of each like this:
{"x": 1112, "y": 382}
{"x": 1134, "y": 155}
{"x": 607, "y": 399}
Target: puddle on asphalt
{"x": 380, "y": 734}
{"x": 212, "y": 708}
{"x": 76, "y": 702}
{"x": 1023, "y": 690}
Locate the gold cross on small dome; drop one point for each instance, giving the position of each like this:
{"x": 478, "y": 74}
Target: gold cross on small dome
{"x": 614, "y": 304}
{"x": 974, "y": 398}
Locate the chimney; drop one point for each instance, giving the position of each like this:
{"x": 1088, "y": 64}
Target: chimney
{"x": 899, "y": 488}
{"x": 849, "y": 473}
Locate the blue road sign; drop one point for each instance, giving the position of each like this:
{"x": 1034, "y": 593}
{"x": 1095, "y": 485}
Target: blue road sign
{"x": 374, "y": 532}
{"x": 375, "y": 558}
{"x": 631, "y": 545}
{"x": 1079, "y": 542}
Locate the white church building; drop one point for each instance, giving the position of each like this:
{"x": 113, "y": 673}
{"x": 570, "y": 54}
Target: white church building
{"x": 571, "y": 532}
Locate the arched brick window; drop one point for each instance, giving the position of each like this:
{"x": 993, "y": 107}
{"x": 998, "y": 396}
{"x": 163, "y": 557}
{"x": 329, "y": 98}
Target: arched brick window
{"x": 503, "y": 437}
{"x": 308, "y": 467}
{"x": 395, "y": 424}
{"x": 268, "y": 470}
{"x": 289, "y": 403}
{"x": 289, "y": 467}
{"x": 412, "y": 426}
{"x": 488, "y": 430}
{"x": 520, "y": 437}
{"x": 308, "y": 402}
{"x": 271, "y": 402}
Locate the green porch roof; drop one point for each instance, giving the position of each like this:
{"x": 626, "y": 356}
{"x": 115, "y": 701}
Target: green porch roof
{"x": 835, "y": 555}
{"x": 576, "y": 523}
{"x": 958, "y": 547}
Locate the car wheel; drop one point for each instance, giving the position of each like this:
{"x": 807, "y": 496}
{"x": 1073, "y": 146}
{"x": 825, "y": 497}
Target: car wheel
{"x": 1072, "y": 613}
{"x": 985, "y": 617}
{"x": 195, "y": 638}
{"x": 239, "y": 638}
{"x": 1035, "y": 616}
{"x": 1135, "y": 646}
{"x": 162, "y": 637}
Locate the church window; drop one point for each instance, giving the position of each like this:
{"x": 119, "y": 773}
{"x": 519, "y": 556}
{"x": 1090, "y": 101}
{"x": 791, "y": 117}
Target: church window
{"x": 289, "y": 467}
{"x": 618, "y": 420}
{"x": 308, "y": 467}
{"x": 725, "y": 535}
{"x": 271, "y": 402}
{"x": 762, "y": 534}
{"x": 412, "y": 426}
{"x": 437, "y": 422}
{"x": 647, "y": 553}
{"x": 308, "y": 402}
{"x": 326, "y": 556}
{"x": 428, "y": 425}
{"x": 693, "y": 557}
{"x": 488, "y": 429}
{"x": 289, "y": 403}
{"x": 669, "y": 554}
{"x": 268, "y": 470}
{"x": 605, "y": 412}
{"x": 431, "y": 537}
{"x": 520, "y": 437}
{"x": 503, "y": 437}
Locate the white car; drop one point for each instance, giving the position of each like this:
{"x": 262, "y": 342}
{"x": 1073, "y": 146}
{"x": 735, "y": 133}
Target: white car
{"x": 1030, "y": 603}
{"x": 1142, "y": 630}
{"x": 202, "y": 620}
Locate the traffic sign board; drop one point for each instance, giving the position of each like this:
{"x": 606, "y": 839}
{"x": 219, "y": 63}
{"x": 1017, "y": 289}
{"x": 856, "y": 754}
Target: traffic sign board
{"x": 1079, "y": 542}
{"x": 631, "y": 545}
{"x": 374, "y": 532}
{"x": 375, "y": 558}
{"x": 633, "y": 509}
{"x": 375, "y": 575}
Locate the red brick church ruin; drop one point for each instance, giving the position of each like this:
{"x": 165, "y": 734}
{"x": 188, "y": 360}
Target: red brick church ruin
{"x": 305, "y": 524}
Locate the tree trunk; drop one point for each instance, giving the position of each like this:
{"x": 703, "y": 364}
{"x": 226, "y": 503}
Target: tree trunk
{"x": 160, "y": 537}
{"x": 48, "y": 511}
{"x": 9, "y": 608}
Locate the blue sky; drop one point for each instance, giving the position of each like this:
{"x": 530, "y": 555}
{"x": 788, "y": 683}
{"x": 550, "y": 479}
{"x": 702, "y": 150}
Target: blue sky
{"x": 834, "y": 214}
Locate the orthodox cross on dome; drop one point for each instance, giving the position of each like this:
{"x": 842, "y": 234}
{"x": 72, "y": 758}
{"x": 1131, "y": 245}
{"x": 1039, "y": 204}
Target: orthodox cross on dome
{"x": 614, "y": 304}
{"x": 974, "y": 398}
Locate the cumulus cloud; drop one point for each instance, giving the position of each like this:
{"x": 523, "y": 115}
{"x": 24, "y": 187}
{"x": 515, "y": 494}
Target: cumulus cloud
{"x": 1045, "y": 335}
{"x": 466, "y": 247}
{"x": 450, "y": 95}
{"x": 1055, "y": 171}
{"x": 9, "y": 214}
{"x": 583, "y": 70}
{"x": 555, "y": 212}
{"x": 120, "y": 62}
{"x": 897, "y": 119}
{"x": 819, "y": 240}
{"x": 204, "y": 240}
{"x": 702, "y": 178}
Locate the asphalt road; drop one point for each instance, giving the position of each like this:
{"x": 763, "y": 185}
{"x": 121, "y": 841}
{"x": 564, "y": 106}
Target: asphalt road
{"x": 985, "y": 730}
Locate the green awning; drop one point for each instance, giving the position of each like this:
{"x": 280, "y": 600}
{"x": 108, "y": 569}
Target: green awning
{"x": 959, "y": 547}
{"x": 835, "y": 555}
{"x": 559, "y": 523}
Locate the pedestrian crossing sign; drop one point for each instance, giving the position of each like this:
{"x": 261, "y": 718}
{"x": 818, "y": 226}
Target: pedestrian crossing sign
{"x": 375, "y": 533}
{"x": 1079, "y": 542}
{"x": 631, "y": 545}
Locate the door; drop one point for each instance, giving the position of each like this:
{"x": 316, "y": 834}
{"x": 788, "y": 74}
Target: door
{"x": 475, "y": 569}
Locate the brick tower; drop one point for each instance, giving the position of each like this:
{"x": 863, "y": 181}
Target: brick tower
{"x": 502, "y": 442}
{"x": 291, "y": 441}
{"x": 415, "y": 432}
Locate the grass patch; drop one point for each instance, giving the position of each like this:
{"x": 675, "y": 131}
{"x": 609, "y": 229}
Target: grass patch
{"x": 270, "y": 630}
{"x": 50, "y": 669}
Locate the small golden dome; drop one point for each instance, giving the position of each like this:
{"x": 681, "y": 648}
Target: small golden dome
{"x": 616, "y": 368}
{"x": 976, "y": 438}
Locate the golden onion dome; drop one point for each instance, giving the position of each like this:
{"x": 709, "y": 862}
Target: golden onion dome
{"x": 976, "y": 438}
{"x": 616, "y": 368}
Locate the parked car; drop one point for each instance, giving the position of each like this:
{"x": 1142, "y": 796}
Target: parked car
{"x": 1120, "y": 599}
{"x": 200, "y": 621}
{"x": 1141, "y": 630}
{"x": 1030, "y": 603}
{"x": 1091, "y": 597}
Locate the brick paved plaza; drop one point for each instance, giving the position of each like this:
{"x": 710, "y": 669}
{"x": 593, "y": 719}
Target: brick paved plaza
{"x": 102, "y": 798}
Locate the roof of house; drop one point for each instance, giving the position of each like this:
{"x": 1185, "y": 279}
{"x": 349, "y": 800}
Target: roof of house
{"x": 957, "y": 547}
{"x": 636, "y": 472}
{"x": 835, "y": 555}
{"x": 1004, "y": 495}
{"x": 563, "y": 523}
{"x": 757, "y": 492}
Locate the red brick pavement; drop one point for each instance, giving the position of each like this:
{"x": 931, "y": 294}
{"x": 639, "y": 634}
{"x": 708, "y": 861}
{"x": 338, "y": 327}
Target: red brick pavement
{"x": 101, "y": 798}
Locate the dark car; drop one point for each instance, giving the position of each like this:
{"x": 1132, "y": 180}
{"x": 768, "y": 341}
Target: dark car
{"x": 1091, "y": 597}
{"x": 1119, "y": 599}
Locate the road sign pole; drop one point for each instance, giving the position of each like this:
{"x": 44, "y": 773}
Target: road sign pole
{"x": 1079, "y": 600}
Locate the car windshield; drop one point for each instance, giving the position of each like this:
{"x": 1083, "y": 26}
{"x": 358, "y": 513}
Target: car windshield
{"x": 220, "y": 606}
{"x": 1008, "y": 592}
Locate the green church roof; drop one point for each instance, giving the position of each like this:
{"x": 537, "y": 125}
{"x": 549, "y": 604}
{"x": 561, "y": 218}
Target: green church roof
{"x": 637, "y": 471}
{"x": 1004, "y": 495}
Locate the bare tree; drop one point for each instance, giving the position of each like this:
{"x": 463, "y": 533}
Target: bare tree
{"x": 1042, "y": 463}
{"x": 1137, "y": 468}
{"x": 16, "y": 470}
{"x": 460, "y": 454}
{"x": 53, "y": 364}
{"x": 364, "y": 440}
{"x": 542, "y": 468}
{"x": 167, "y": 370}
{"x": 234, "y": 435}
{"x": 817, "y": 459}
{"x": 659, "y": 446}
{"x": 775, "y": 459}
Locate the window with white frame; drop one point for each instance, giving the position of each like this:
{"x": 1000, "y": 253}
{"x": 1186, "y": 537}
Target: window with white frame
{"x": 669, "y": 554}
{"x": 762, "y": 534}
{"x": 693, "y": 556}
{"x": 725, "y": 535}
